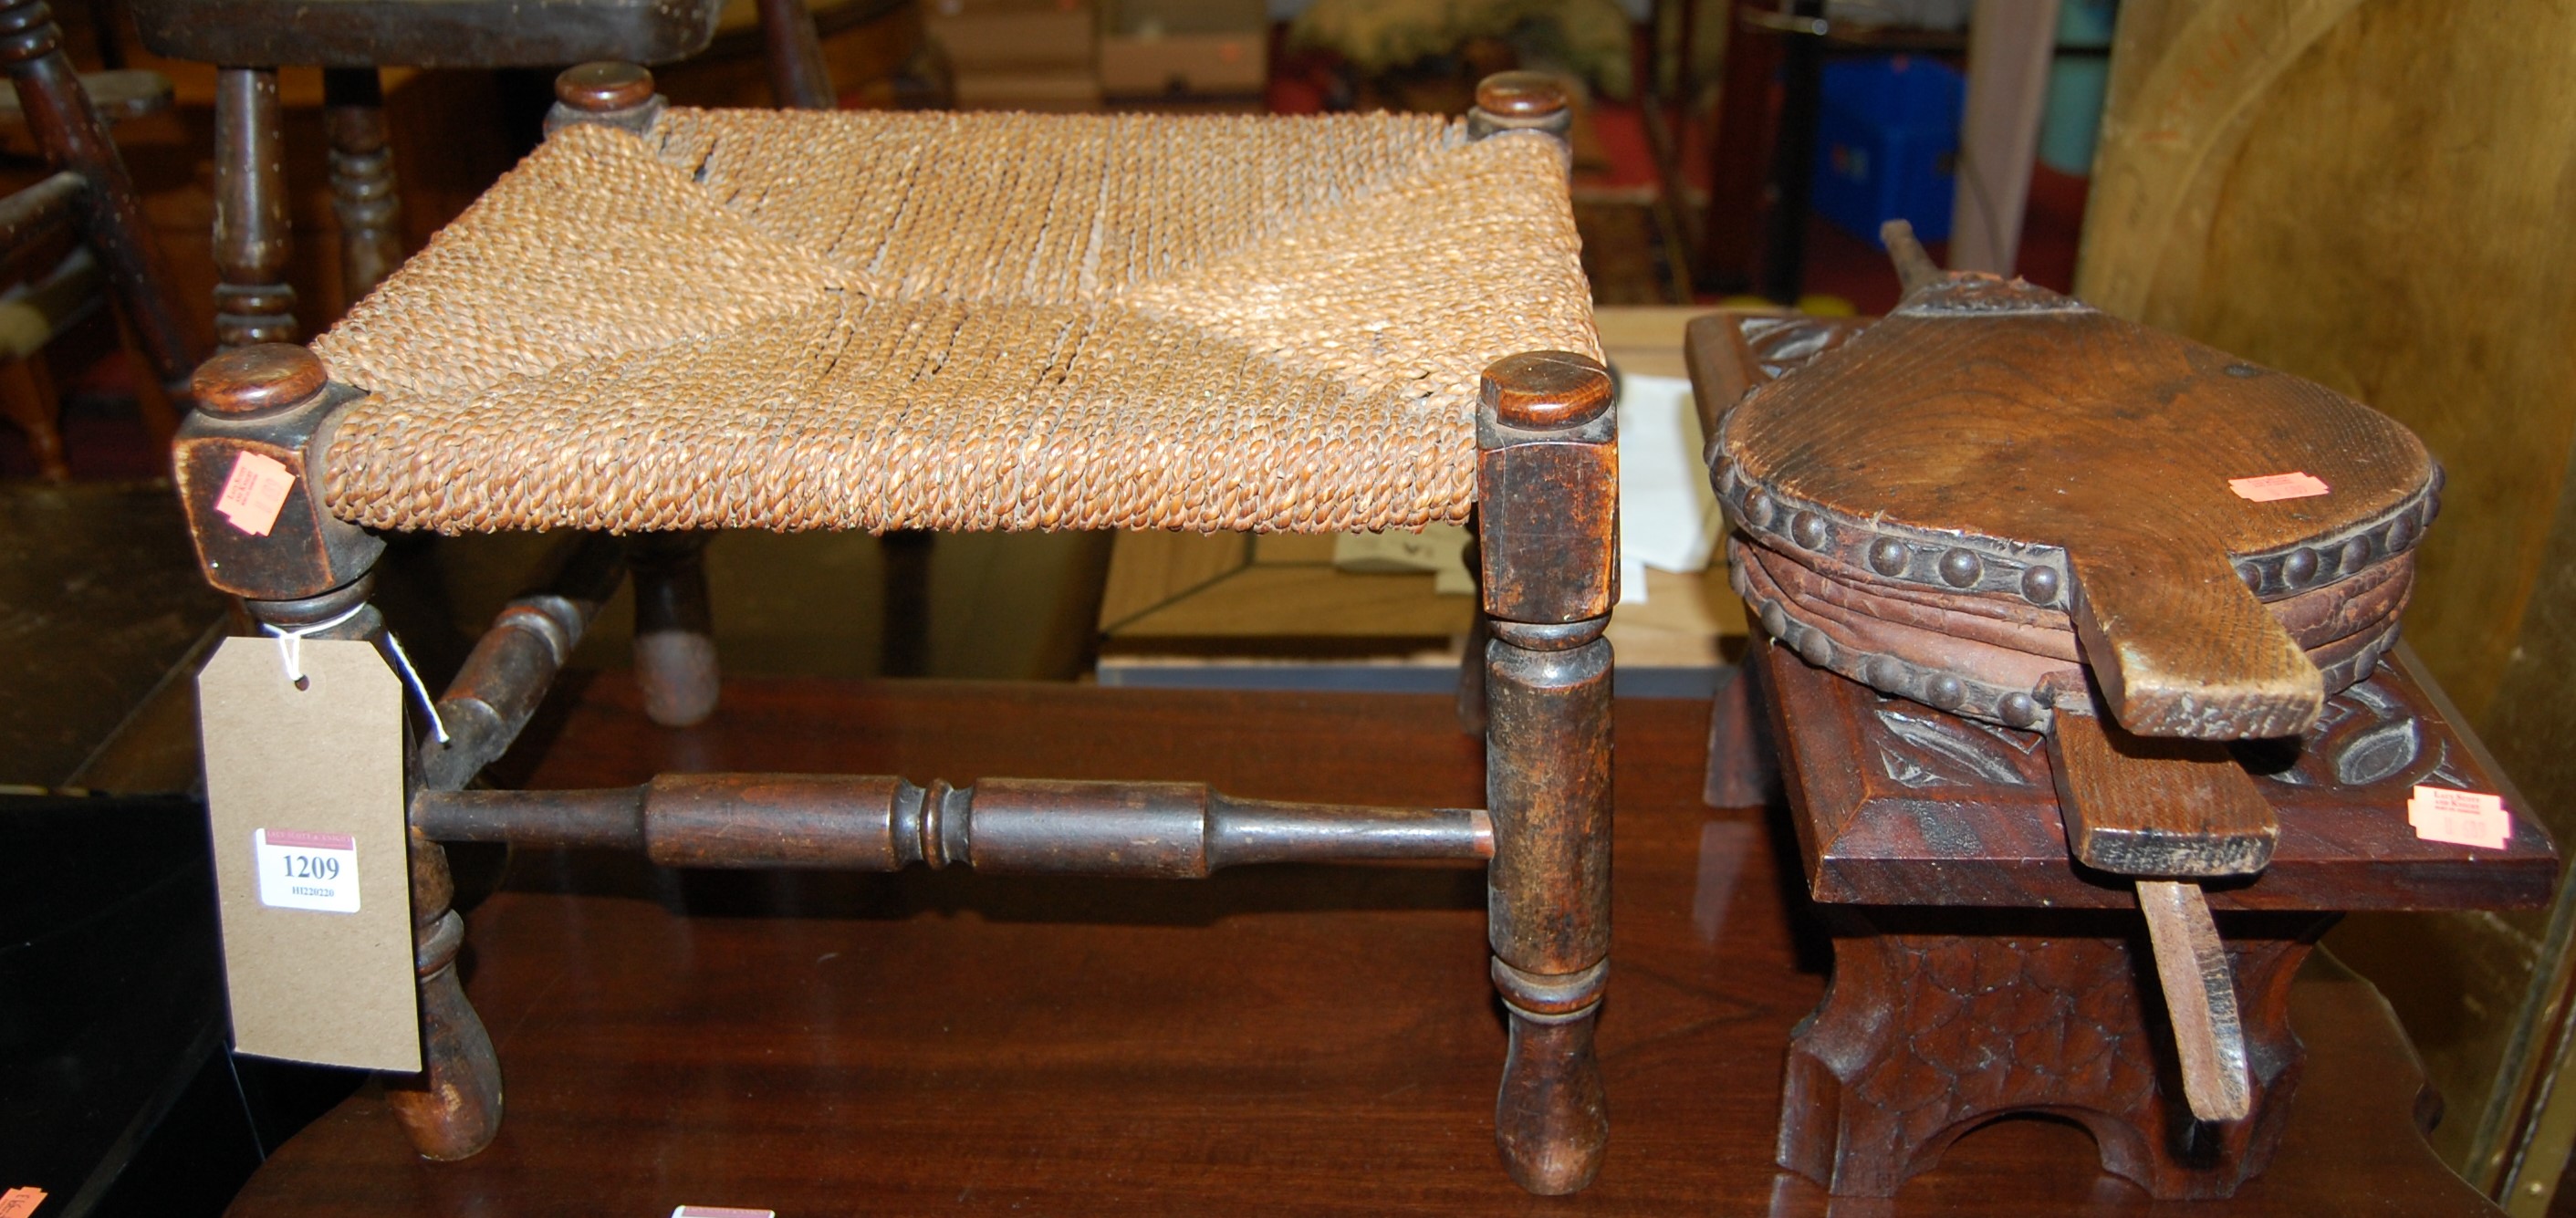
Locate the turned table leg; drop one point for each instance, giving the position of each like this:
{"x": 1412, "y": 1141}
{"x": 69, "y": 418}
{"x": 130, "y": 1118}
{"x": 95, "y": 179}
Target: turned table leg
{"x": 1939, "y": 1020}
{"x": 1547, "y": 480}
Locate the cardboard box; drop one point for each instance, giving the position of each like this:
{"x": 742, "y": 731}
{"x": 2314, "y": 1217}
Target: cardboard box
{"x": 1029, "y": 89}
{"x": 1154, "y": 48}
{"x": 996, "y": 35}
{"x": 1154, "y": 66}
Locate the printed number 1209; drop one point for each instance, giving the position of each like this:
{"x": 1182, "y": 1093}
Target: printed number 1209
{"x": 301, "y": 870}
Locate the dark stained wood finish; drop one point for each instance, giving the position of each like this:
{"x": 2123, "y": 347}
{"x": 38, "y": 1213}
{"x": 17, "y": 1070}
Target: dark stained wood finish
{"x": 1923, "y": 808}
{"x": 1547, "y": 466}
{"x": 675, "y": 646}
{"x": 514, "y": 665}
{"x": 1520, "y": 101}
{"x": 306, "y": 552}
{"x": 1159, "y": 830}
{"x": 1743, "y": 764}
{"x": 409, "y": 33}
{"x": 247, "y": 381}
{"x": 363, "y": 195}
{"x": 2048, "y": 432}
{"x": 1943, "y": 1015}
{"x": 253, "y": 303}
{"x": 451, "y": 1109}
{"x": 69, "y": 133}
{"x": 2199, "y": 983}
{"x": 1547, "y": 535}
{"x": 1940, "y": 1021}
{"x": 1290, "y": 1041}
{"x": 2140, "y": 805}
{"x": 798, "y": 77}
{"x": 1729, "y": 352}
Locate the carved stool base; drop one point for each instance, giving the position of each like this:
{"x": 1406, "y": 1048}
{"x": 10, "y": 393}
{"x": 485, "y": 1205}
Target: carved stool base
{"x": 1938, "y": 1021}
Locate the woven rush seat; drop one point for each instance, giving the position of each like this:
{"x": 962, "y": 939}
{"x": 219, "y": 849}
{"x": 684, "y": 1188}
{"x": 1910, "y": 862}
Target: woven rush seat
{"x": 799, "y": 320}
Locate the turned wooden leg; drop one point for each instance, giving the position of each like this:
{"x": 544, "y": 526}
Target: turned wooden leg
{"x": 1471, "y": 658}
{"x": 452, "y": 1108}
{"x": 362, "y": 180}
{"x": 1743, "y": 770}
{"x": 798, "y": 79}
{"x": 27, "y": 397}
{"x": 300, "y": 570}
{"x": 675, "y": 647}
{"x": 1938, "y": 1021}
{"x": 253, "y": 236}
{"x": 903, "y": 646}
{"x": 1547, "y": 481}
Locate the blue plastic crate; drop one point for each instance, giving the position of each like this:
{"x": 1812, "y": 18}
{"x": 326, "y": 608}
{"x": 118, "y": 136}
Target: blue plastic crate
{"x": 1886, "y": 140}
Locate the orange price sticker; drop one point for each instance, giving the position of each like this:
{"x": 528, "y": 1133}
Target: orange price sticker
{"x": 2462, "y": 818}
{"x": 2269, "y": 487}
{"x": 20, "y": 1202}
{"x": 254, "y": 493}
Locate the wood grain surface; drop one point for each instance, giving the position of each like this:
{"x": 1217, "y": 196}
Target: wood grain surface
{"x": 2200, "y": 998}
{"x": 2372, "y": 195}
{"x": 2139, "y": 805}
{"x": 1289, "y": 1041}
{"x": 2007, "y": 416}
{"x": 1916, "y": 807}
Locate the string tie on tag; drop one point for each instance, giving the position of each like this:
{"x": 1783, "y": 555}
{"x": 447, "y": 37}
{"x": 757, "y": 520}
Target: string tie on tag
{"x": 290, "y": 652}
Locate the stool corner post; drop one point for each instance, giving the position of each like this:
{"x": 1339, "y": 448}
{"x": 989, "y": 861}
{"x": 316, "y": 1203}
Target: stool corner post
{"x": 1547, "y": 556}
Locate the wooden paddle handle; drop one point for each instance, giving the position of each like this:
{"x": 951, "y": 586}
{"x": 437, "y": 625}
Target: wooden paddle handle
{"x": 2181, "y": 647}
{"x": 2146, "y": 806}
{"x": 2200, "y": 997}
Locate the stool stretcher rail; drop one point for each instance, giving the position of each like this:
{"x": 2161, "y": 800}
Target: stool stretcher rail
{"x": 1148, "y": 829}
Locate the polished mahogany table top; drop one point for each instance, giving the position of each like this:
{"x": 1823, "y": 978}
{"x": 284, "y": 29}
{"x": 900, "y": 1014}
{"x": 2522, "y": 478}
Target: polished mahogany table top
{"x": 1288, "y": 1040}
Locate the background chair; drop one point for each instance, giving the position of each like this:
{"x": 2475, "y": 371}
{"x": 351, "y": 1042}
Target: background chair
{"x": 91, "y": 197}
{"x": 251, "y": 39}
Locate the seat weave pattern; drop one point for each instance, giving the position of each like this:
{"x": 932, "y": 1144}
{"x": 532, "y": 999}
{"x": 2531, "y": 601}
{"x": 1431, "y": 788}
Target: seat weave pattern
{"x": 796, "y": 320}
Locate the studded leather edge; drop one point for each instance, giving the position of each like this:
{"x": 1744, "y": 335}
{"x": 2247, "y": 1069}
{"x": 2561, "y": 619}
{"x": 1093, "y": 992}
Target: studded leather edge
{"x": 2031, "y": 709}
{"x": 1960, "y": 562}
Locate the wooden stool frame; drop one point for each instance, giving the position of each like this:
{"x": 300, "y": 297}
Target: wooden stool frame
{"x": 1547, "y": 480}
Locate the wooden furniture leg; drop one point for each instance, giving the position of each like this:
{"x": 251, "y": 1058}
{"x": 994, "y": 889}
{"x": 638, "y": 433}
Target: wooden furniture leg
{"x": 362, "y": 180}
{"x": 1940, "y": 1020}
{"x": 1743, "y": 769}
{"x": 27, "y": 397}
{"x": 310, "y": 573}
{"x": 675, "y": 646}
{"x": 798, "y": 78}
{"x": 903, "y": 646}
{"x": 68, "y": 131}
{"x": 253, "y": 234}
{"x": 1547, "y": 485}
{"x": 1471, "y": 657}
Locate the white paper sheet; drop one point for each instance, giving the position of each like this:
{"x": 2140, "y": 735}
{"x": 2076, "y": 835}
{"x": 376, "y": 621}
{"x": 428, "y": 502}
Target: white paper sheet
{"x": 1668, "y": 516}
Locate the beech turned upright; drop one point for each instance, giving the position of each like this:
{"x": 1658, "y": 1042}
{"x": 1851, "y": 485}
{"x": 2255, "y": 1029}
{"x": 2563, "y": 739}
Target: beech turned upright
{"x": 1547, "y": 479}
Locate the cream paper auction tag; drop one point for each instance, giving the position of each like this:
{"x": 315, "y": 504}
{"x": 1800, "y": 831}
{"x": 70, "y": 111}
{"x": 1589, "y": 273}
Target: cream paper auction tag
{"x": 304, "y": 791}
